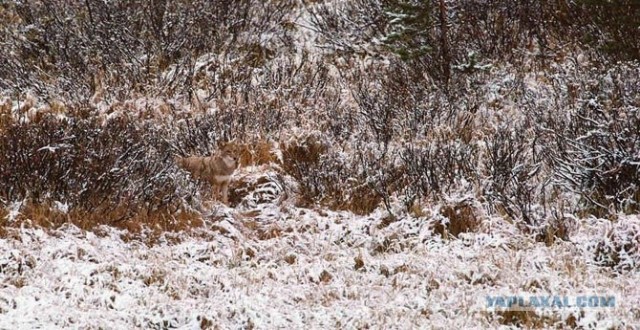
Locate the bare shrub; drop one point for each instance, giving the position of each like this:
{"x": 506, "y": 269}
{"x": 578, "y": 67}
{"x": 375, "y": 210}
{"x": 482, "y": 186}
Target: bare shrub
{"x": 596, "y": 150}
{"x": 346, "y": 28}
{"x": 616, "y": 38}
{"x": 148, "y": 47}
{"x": 326, "y": 176}
{"x": 511, "y": 172}
{"x": 438, "y": 167}
{"x": 380, "y": 174}
{"x": 394, "y": 103}
{"x": 199, "y": 135}
{"x": 301, "y": 159}
{"x": 107, "y": 173}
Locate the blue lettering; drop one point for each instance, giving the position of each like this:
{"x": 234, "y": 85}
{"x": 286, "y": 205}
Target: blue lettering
{"x": 608, "y": 301}
{"x": 490, "y": 301}
{"x": 545, "y": 301}
{"x": 533, "y": 301}
{"x": 557, "y": 302}
{"x": 550, "y": 301}
{"x": 581, "y": 301}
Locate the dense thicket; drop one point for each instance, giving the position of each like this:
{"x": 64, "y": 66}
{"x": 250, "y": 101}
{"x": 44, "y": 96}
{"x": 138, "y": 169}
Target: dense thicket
{"x": 528, "y": 107}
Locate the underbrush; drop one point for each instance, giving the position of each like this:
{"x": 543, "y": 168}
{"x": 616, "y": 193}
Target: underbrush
{"x": 87, "y": 171}
{"x": 466, "y": 145}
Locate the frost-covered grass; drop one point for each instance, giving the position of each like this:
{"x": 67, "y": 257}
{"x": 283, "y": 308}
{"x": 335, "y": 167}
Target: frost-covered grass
{"x": 375, "y": 191}
{"x": 275, "y": 265}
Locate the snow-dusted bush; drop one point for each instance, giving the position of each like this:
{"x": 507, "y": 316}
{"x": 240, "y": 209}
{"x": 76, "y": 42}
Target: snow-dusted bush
{"x": 620, "y": 246}
{"x": 487, "y": 104}
{"x": 596, "y": 145}
{"x": 144, "y": 47}
{"x": 326, "y": 175}
{"x": 512, "y": 169}
{"x": 104, "y": 173}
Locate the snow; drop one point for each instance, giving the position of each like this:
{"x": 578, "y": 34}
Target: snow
{"x": 303, "y": 276}
{"x": 13, "y": 211}
{"x": 268, "y": 263}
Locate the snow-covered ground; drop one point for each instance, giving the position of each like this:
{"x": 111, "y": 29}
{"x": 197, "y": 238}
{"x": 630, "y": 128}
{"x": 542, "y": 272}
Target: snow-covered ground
{"x": 278, "y": 266}
{"x": 267, "y": 263}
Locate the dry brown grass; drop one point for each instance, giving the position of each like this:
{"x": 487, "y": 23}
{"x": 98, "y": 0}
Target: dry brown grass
{"x": 258, "y": 230}
{"x": 532, "y": 320}
{"x": 255, "y": 153}
{"x": 302, "y": 151}
{"x": 462, "y": 219}
{"x": 362, "y": 201}
{"x": 47, "y": 216}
